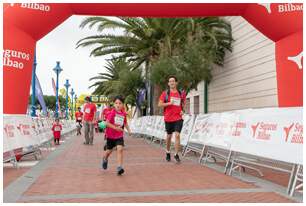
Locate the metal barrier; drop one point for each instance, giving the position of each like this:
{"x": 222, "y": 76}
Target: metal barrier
{"x": 298, "y": 180}
{"x": 239, "y": 160}
{"x": 226, "y": 137}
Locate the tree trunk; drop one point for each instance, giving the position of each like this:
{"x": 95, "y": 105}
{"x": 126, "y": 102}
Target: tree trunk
{"x": 156, "y": 94}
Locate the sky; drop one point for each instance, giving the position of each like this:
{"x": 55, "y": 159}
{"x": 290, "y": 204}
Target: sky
{"x": 77, "y": 65}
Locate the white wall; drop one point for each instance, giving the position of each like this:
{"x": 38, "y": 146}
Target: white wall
{"x": 248, "y": 78}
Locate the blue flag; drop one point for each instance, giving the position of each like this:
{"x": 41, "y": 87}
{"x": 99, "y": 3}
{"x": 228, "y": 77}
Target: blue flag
{"x": 40, "y": 96}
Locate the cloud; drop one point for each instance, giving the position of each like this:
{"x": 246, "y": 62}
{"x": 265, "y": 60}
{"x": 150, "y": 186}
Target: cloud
{"x": 78, "y": 67}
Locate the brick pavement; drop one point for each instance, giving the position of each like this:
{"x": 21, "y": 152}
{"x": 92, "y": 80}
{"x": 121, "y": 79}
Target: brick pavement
{"x": 75, "y": 176}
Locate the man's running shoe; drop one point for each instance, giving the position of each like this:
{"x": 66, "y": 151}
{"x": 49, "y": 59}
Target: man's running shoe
{"x": 177, "y": 158}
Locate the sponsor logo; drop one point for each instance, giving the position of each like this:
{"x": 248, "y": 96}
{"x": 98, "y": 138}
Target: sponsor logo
{"x": 33, "y": 6}
{"x": 221, "y": 129}
{"x": 267, "y": 6}
{"x": 287, "y": 131}
{"x": 12, "y": 58}
{"x": 294, "y": 133}
{"x": 236, "y": 128}
{"x": 283, "y": 7}
{"x": 297, "y": 59}
{"x": 24, "y": 129}
{"x": 9, "y": 130}
{"x": 261, "y": 130}
{"x": 254, "y": 128}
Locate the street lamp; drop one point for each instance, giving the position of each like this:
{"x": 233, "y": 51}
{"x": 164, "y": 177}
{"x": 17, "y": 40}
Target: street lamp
{"x": 33, "y": 107}
{"x": 57, "y": 70}
{"x": 72, "y": 93}
{"x": 67, "y": 85}
{"x": 75, "y": 101}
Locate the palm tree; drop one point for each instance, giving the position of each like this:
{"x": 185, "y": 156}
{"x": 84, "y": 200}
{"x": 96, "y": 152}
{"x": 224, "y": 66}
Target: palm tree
{"x": 145, "y": 40}
{"x": 119, "y": 79}
{"x": 106, "y": 80}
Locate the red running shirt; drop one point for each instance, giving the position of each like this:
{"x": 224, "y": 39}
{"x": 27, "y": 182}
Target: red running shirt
{"x": 79, "y": 116}
{"x": 172, "y": 113}
{"x": 57, "y": 128}
{"x": 90, "y": 110}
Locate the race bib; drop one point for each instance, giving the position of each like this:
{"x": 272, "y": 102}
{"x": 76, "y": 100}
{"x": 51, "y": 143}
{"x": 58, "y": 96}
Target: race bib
{"x": 79, "y": 118}
{"x": 176, "y": 101}
{"x": 119, "y": 120}
{"x": 57, "y": 128}
{"x": 87, "y": 110}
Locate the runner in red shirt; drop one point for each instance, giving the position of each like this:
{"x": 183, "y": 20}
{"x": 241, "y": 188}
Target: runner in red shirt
{"x": 57, "y": 128}
{"x": 106, "y": 111}
{"x": 116, "y": 121}
{"x": 90, "y": 110}
{"x": 173, "y": 101}
{"x": 79, "y": 118}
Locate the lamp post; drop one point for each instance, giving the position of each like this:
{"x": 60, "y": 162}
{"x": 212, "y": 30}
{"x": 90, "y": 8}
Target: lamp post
{"x": 67, "y": 85}
{"x": 75, "y": 101}
{"x": 33, "y": 107}
{"x": 57, "y": 70}
{"x": 72, "y": 93}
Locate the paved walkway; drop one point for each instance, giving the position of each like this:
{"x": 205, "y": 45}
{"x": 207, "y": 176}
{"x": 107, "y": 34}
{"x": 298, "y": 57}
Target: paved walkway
{"x": 72, "y": 173}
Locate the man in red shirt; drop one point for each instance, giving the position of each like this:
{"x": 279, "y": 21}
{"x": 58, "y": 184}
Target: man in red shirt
{"x": 89, "y": 110}
{"x": 79, "y": 118}
{"x": 173, "y": 101}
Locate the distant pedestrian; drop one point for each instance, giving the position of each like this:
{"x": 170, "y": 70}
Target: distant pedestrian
{"x": 56, "y": 129}
{"x": 116, "y": 121}
{"x": 173, "y": 102}
{"x": 89, "y": 120}
{"x": 79, "y": 118}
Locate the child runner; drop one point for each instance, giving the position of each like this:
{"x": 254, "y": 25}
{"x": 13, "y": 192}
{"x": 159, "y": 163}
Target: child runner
{"x": 56, "y": 128}
{"x": 115, "y": 121}
{"x": 79, "y": 118}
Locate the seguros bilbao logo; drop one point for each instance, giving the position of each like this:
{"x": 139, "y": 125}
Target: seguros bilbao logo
{"x": 33, "y": 6}
{"x": 283, "y": 7}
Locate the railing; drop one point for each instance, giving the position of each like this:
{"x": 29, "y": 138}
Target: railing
{"x": 251, "y": 138}
{"x": 24, "y": 135}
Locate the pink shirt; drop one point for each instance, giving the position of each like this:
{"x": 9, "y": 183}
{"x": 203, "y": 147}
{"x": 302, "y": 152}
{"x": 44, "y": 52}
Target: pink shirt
{"x": 117, "y": 118}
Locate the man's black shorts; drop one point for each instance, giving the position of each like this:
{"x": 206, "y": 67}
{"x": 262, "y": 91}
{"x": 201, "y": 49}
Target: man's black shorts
{"x": 111, "y": 143}
{"x": 174, "y": 126}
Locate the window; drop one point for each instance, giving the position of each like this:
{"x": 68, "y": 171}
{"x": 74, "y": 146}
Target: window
{"x": 187, "y": 106}
{"x": 196, "y": 105}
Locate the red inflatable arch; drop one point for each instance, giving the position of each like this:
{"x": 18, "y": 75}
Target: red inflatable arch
{"x": 26, "y": 23}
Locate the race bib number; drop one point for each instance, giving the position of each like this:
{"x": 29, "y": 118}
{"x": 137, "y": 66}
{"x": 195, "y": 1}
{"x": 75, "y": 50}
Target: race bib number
{"x": 57, "y": 128}
{"x": 119, "y": 120}
{"x": 176, "y": 101}
{"x": 87, "y": 110}
{"x": 79, "y": 118}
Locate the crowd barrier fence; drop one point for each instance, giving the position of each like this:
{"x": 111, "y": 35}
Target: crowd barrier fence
{"x": 250, "y": 138}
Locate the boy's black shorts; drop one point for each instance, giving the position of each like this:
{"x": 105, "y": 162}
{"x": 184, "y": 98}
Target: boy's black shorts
{"x": 111, "y": 143}
{"x": 174, "y": 126}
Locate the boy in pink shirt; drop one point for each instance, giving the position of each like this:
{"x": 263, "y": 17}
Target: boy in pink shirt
{"x": 116, "y": 121}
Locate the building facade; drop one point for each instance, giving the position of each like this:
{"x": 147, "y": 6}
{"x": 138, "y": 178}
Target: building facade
{"x": 248, "y": 78}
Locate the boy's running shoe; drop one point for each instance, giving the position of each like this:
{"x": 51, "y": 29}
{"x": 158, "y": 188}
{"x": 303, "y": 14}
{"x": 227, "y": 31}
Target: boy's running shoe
{"x": 104, "y": 164}
{"x": 120, "y": 171}
{"x": 168, "y": 157}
